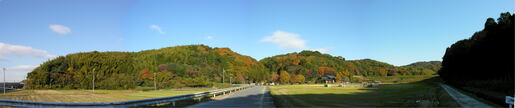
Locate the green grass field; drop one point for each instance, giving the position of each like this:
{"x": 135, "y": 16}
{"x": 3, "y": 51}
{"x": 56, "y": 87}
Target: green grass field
{"x": 95, "y": 96}
{"x": 410, "y": 94}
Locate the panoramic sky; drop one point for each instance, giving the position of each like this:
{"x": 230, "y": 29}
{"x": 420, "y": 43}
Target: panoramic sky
{"x": 398, "y": 32}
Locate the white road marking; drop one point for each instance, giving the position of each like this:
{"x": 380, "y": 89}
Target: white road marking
{"x": 262, "y": 97}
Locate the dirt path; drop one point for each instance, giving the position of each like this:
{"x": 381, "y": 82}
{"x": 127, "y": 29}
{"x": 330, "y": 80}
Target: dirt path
{"x": 464, "y": 100}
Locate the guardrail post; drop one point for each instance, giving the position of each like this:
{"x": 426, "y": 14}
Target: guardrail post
{"x": 214, "y": 95}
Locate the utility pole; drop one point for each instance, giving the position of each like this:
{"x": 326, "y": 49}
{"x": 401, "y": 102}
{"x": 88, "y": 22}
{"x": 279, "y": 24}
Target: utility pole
{"x": 223, "y": 75}
{"x": 4, "y": 81}
{"x": 155, "y": 62}
{"x": 155, "y": 85}
{"x": 93, "y": 79}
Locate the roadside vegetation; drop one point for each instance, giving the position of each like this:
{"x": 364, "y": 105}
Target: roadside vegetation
{"x": 410, "y": 93}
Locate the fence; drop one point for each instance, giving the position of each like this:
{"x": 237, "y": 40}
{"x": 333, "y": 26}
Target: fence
{"x": 132, "y": 103}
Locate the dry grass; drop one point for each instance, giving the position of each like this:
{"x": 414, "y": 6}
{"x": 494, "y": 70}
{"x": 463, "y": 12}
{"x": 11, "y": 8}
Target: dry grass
{"x": 94, "y": 96}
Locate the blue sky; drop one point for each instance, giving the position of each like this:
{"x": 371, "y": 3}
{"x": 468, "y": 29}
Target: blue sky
{"x": 398, "y": 32}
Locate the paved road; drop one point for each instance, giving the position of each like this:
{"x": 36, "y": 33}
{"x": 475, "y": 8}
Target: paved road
{"x": 256, "y": 97}
{"x": 464, "y": 100}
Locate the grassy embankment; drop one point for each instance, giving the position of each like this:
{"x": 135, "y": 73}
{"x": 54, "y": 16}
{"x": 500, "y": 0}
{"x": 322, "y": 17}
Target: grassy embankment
{"x": 397, "y": 91}
{"x": 99, "y": 95}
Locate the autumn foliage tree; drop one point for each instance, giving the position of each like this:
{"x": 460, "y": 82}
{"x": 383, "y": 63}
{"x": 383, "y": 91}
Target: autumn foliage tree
{"x": 145, "y": 74}
{"x": 339, "y": 76}
{"x": 382, "y": 72}
{"x": 285, "y": 77}
{"x": 274, "y": 77}
{"x": 299, "y": 78}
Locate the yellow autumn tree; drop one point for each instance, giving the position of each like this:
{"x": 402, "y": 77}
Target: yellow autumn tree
{"x": 284, "y": 77}
{"x": 299, "y": 78}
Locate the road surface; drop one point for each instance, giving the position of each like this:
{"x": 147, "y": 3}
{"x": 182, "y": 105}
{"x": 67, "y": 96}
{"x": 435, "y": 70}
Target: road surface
{"x": 255, "y": 97}
{"x": 464, "y": 100}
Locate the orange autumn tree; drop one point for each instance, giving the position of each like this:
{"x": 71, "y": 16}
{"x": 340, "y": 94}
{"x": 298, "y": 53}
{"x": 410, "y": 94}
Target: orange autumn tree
{"x": 274, "y": 77}
{"x": 321, "y": 71}
{"x": 145, "y": 74}
{"x": 382, "y": 72}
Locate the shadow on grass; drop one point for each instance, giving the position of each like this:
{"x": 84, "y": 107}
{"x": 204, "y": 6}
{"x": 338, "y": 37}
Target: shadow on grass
{"x": 425, "y": 93}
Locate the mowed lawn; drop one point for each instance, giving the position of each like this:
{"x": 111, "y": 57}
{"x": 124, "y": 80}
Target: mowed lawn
{"x": 95, "y": 96}
{"x": 415, "y": 94}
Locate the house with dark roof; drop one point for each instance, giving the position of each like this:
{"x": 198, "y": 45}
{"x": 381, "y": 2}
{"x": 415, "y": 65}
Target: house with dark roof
{"x": 328, "y": 79}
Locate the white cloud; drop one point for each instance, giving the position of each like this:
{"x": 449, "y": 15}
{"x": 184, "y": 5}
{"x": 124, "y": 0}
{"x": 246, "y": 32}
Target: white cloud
{"x": 321, "y": 50}
{"x": 290, "y": 41}
{"x": 209, "y": 38}
{"x": 60, "y": 29}
{"x": 22, "y": 68}
{"x": 286, "y": 40}
{"x": 156, "y": 28}
{"x": 19, "y": 50}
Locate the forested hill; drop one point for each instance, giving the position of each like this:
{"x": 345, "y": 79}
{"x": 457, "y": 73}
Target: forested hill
{"x": 312, "y": 65}
{"x": 425, "y": 67}
{"x": 190, "y": 65}
{"x": 200, "y": 65}
{"x": 483, "y": 64}
{"x": 431, "y": 65}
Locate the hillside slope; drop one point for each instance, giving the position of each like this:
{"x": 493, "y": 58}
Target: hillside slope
{"x": 189, "y": 65}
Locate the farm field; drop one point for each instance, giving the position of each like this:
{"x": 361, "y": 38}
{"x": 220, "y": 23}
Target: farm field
{"x": 425, "y": 93}
{"x": 80, "y": 96}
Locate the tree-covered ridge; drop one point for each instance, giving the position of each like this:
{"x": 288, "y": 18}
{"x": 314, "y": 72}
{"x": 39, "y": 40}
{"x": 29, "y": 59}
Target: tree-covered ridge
{"x": 424, "y": 68}
{"x": 431, "y": 65}
{"x": 189, "y": 65}
{"x": 313, "y": 65}
{"x": 369, "y": 67}
{"x": 483, "y": 64}
{"x": 310, "y": 64}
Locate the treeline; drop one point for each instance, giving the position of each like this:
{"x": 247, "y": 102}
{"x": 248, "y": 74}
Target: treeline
{"x": 484, "y": 63}
{"x": 310, "y": 66}
{"x": 180, "y": 66}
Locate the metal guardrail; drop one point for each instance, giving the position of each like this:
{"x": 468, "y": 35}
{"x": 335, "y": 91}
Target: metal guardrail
{"x": 131, "y": 103}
